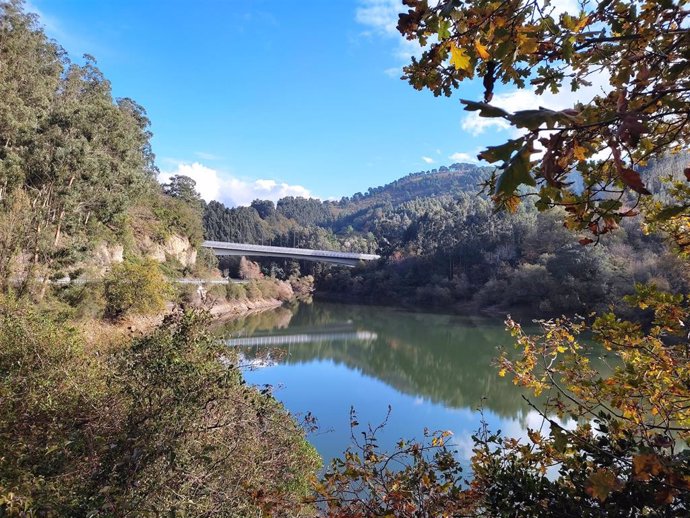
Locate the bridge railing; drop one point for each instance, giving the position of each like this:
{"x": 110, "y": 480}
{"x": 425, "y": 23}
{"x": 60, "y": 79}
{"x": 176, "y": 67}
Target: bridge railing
{"x": 258, "y": 249}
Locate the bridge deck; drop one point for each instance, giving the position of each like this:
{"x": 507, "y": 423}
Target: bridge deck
{"x": 346, "y": 258}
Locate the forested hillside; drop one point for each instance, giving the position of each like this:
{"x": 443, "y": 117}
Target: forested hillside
{"x": 444, "y": 245}
{"x": 101, "y": 415}
{"x": 78, "y": 186}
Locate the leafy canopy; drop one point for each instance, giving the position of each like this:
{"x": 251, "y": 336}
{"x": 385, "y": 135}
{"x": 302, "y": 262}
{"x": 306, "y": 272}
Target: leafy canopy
{"x": 642, "y": 47}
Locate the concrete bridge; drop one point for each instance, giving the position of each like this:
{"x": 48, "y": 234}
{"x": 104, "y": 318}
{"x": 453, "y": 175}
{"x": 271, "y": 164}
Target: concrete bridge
{"x": 326, "y": 256}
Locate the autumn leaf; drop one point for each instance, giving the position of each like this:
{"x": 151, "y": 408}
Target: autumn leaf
{"x": 632, "y": 179}
{"x": 670, "y": 212}
{"x": 581, "y": 24}
{"x": 515, "y": 173}
{"x": 527, "y": 44}
{"x": 458, "y": 58}
{"x": 686, "y": 172}
{"x": 601, "y": 483}
{"x": 487, "y": 110}
{"x": 579, "y": 152}
{"x": 646, "y": 466}
{"x": 481, "y": 50}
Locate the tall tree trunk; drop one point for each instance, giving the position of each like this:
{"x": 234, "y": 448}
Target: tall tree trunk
{"x": 61, "y": 216}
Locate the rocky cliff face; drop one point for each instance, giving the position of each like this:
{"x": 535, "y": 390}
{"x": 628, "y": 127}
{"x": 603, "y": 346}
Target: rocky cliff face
{"x": 175, "y": 247}
{"x": 106, "y": 255}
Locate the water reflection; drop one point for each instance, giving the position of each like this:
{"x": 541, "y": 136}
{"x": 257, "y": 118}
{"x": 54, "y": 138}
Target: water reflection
{"x": 435, "y": 370}
{"x": 445, "y": 359}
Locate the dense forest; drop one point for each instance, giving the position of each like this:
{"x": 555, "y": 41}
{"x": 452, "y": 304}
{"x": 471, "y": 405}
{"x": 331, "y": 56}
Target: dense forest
{"x": 443, "y": 245}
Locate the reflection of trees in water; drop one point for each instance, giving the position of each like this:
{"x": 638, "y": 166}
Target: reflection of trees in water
{"x": 443, "y": 358}
{"x": 252, "y": 323}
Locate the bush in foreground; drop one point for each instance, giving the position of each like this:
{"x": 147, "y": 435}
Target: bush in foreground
{"x": 162, "y": 425}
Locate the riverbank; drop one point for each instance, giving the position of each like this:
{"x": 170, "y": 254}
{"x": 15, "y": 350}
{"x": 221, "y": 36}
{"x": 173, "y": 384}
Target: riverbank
{"x": 238, "y": 308}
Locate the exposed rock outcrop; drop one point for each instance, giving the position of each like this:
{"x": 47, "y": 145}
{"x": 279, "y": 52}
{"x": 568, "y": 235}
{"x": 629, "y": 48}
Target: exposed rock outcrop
{"x": 105, "y": 255}
{"x": 175, "y": 247}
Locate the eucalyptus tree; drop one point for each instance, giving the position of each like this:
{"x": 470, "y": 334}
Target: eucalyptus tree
{"x": 72, "y": 158}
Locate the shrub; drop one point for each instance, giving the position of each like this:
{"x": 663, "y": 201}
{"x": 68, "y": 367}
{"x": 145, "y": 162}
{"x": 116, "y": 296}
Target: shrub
{"x": 186, "y": 293}
{"x": 215, "y": 292}
{"x": 302, "y": 285}
{"x": 206, "y": 262}
{"x": 158, "y": 426}
{"x": 249, "y": 269}
{"x": 133, "y": 287}
{"x": 268, "y": 287}
{"x": 49, "y": 387}
{"x": 86, "y": 299}
{"x": 175, "y": 216}
{"x": 253, "y": 290}
{"x": 196, "y": 438}
{"x": 283, "y": 291}
{"x": 235, "y": 291}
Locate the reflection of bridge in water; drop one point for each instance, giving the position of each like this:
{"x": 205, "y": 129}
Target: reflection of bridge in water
{"x": 222, "y": 248}
{"x": 303, "y": 338}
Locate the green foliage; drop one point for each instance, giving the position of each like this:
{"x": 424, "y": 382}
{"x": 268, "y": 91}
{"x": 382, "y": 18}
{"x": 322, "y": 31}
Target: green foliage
{"x": 87, "y": 300}
{"x": 264, "y": 208}
{"x": 183, "y": 188}
{"x": 69, "y": 151}
{"x": 206, "y": 262}
{"x": 192, "y": 427}
{"x": 253, "y": 290}
{"x": 268, "y": 288}
{"x": 216, "y": 292}
{"x": 49, "y": 387}
{"x": 639, "y": 47}
{"x": 160, "y": 425}
{"x": 177, "y": 216}
{"x": 626, "y": 454}
{"x": 135, "y": 287}
{"x": 235, "y": 291}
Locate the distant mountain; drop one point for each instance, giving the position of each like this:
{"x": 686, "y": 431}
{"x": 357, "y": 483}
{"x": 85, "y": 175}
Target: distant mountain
{"x": 437, "y": 182}
{"x": 353, "y": 210}
{"x": 310, "y": 222}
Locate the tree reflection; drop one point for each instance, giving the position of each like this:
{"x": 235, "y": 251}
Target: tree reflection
{"x": 446, "y": 359}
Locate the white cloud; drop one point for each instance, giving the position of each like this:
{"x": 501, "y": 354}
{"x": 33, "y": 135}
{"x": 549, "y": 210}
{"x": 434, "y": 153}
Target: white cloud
{"x": 230, "y": 190}
{"x": 527, "y": 99}
{"x": 380, "y": 15}
{"x": 428, "y": 160}
{"x": 559, "y": 7}
{"x": 463, "y": 157}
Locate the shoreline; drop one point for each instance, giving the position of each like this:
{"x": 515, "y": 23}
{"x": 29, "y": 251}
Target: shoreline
{"x": 228, "y": 310}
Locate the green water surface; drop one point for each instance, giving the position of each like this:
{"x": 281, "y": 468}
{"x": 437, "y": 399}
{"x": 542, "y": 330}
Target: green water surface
{"x": 434, "y": 371}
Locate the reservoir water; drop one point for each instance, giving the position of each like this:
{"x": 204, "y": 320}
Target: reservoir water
{"x": 434, "y": 371}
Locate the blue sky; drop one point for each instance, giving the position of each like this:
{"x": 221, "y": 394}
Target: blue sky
{"x": 263, "y": 98}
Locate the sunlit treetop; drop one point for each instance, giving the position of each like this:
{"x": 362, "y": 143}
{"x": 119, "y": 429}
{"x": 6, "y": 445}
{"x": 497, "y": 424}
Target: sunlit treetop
{"x": 642, "y": 47}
